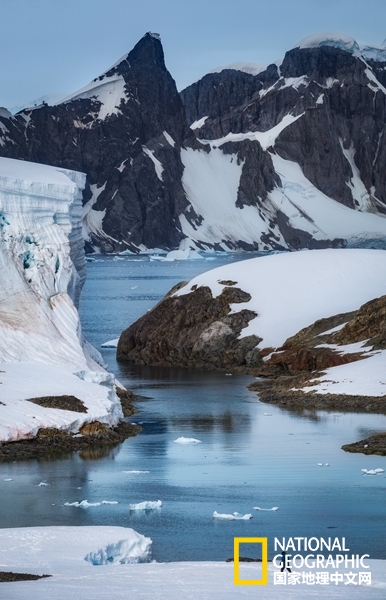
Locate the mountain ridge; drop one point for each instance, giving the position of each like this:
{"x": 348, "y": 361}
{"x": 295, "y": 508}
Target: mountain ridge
{"x": 235, "y": 161}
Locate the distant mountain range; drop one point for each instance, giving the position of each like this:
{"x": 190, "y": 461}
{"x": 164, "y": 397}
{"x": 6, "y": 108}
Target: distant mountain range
{"x": 286, "y": 156}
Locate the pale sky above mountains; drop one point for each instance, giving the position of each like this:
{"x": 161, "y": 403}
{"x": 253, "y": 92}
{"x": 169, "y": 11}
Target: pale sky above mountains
{"x": 56, "y": 47}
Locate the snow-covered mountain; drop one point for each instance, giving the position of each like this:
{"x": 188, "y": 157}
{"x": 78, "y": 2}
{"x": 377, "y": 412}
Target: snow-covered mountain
{"x": 284, "y": 156}
{"x": 42, "y": 269}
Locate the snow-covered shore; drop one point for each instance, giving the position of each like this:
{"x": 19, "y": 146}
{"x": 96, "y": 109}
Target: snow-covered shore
{"x": 68, "y": 553}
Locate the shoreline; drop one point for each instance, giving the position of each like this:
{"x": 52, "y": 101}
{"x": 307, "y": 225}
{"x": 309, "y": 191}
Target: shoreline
{"x": 51, "y": 442}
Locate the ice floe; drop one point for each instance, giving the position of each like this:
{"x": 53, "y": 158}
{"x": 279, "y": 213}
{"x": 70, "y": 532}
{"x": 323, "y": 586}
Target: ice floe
{"x": 232, "y": 517}
{"x": 110, "y": 344}
{"x": 372, "y": 471}
{"x": 185, "y": 440}
{"x": 87, "y": 504}
{"x": 274, "y": 508}
{"x": 134, "y": 472}
{"x": 147, "y": 505}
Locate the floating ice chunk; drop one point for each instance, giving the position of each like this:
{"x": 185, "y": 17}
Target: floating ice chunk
{"x": 118, "y": 258}
{"x": 137, "y": 549}
{"x": 268, "y": 414}
{"x": 8, "y": 480}
{"x": 232, "y": 517}
{"x": 274, "y": 508}
{"x": 147, "y": 505}
{"x": 109, "y": 502}
{"x": 372, "y": 471}
{"x": 41, "y": 484}
{"x": 228, "y": 374}
{"x": 133, "y": 287}
{"x": 136, "y": 472}
{"x": 326, "y": 464}
{"x": 320, "y": 464}
{"x": 110, "y": 344}
{"x": 83, "y": 504}
{"x": 185, "y": 440}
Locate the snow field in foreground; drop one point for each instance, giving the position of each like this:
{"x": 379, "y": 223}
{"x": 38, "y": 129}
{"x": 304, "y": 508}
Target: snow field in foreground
{"x": 70, "y": 554}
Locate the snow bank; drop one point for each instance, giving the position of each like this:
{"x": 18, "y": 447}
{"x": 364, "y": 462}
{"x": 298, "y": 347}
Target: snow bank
{"x": 290, "y": 291}
{"x": 22, "y": 380}
{"x": 365, "y": 377}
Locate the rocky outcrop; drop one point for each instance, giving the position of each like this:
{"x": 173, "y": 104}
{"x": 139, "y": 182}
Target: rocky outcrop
{"x": 194, "y": 330}
{"x": 375, "y": 444}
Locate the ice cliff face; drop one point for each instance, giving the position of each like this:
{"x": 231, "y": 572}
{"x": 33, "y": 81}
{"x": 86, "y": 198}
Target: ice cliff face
{"x": 42, "y": 265}
{"x": 286, "y": 156}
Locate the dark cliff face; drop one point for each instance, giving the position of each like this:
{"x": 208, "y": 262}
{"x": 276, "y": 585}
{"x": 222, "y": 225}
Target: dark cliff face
{"x": 152, "y": 181}
{"x": 118, "y": 151}
{"x": 340, "y": 100}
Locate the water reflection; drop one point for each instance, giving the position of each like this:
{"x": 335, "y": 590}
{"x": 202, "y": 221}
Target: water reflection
{"x": 110, "y": 451}
{"x": 227, "y": 422}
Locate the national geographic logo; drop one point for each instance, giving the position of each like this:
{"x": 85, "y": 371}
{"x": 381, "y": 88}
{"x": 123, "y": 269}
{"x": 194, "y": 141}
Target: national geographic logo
{"x": 301, "y": 562}
{"x": 264, "y": 560}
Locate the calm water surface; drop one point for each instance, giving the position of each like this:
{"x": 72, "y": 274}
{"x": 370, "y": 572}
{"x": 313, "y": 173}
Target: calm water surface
{"x": 251, "y": 454}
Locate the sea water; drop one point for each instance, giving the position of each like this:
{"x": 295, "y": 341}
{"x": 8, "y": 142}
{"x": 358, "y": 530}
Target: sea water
{"x": 249, "y": 454}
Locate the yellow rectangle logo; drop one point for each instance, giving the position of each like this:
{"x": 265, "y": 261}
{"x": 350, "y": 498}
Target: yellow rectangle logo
{"x": 264, "y": 558}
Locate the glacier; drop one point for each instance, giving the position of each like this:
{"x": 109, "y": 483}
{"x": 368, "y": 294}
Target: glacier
{"x": 42, "y": 271}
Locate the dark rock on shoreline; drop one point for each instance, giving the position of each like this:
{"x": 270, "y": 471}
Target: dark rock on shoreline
{"x": 375, "y": 444}
{"x": 127, "y": 399}
{"x": 193, "y": 330}
{"x": 7, "y": 576}
{"x": 51, "y": 441}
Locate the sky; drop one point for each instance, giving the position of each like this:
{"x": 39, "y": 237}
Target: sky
{"x": 58, "y": 46}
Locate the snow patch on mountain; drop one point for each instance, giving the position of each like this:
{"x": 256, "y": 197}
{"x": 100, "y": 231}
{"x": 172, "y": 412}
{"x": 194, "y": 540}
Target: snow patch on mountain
{"x": 211, "y": 182}
{"x": 108, "y": 90}
{"x": 250, "y": 68}
{"x": 310, "y": 210}
{"x": 336, "y": 40}
{"x": 265, "y": 138}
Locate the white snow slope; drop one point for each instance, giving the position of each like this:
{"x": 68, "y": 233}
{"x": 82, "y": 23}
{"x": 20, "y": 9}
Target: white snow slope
{"x": 211, "y": 182}
{"x": 291, "y": 291}
{"x": 65, "y": 552}
{"x": 42, "y": 269}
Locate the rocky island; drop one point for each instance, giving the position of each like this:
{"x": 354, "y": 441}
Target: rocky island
{"x": 311, "y": 326}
